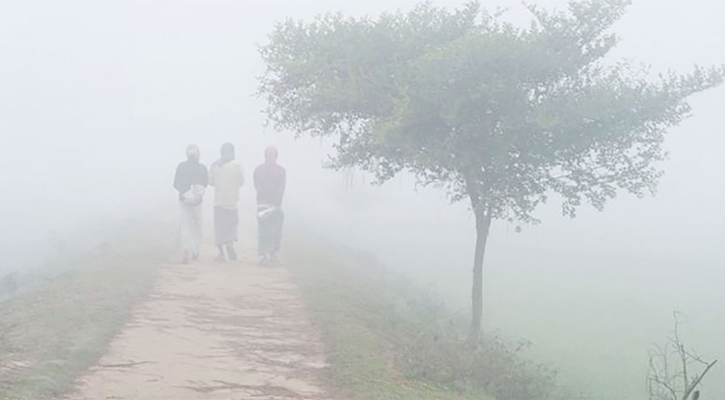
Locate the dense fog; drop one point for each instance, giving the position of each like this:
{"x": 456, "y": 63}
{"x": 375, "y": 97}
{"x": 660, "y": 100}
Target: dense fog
{"x": 98, "y": 101}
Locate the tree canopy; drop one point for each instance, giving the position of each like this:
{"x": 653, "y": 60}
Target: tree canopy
{"x": 501, "y": 115}
{"x": 481, "y": 106}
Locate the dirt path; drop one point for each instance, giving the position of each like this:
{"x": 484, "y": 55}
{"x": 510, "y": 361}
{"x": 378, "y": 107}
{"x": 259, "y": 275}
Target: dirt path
{"x": 210, "y": 330}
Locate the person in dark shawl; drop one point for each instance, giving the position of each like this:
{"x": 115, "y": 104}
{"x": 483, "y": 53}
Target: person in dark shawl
{"x": 227, "y": 177}
{"x": 269, "y": 181}
{"x": 190, "y": 181}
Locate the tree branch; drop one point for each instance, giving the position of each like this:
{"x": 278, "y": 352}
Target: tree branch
{"x": 697, "y": 380}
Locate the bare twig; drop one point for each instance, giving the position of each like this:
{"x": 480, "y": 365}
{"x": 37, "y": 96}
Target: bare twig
{"x": 697, "y": 381}
{"x": 678, "y": 383}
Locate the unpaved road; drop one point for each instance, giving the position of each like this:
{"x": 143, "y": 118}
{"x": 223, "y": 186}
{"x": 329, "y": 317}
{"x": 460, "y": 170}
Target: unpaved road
{"x": 210, "y": 330}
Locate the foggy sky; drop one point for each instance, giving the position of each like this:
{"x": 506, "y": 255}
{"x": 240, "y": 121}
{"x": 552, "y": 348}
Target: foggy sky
{"x": 99, "y": 99}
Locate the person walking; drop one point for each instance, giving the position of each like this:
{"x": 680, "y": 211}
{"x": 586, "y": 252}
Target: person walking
{"x": 227, "y": 177}
{"x": 269, "y": 182}
{"x": 190, "y": 181}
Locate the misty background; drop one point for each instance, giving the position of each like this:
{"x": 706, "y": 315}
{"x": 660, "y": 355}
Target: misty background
{"x": 98, "y": 101}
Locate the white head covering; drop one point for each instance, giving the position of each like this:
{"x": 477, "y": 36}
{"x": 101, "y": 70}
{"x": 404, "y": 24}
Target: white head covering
{"x": 192, "y": 151}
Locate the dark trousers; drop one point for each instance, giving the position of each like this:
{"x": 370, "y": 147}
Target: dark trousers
{"x": 269, "y": 230}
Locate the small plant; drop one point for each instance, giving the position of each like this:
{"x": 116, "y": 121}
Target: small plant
{"x": 671, "y": 370}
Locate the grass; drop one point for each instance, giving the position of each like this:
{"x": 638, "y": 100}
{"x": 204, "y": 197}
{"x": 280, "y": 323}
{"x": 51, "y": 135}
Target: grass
{"x": 387, "y": 339}
{"x": 50, "y": 336}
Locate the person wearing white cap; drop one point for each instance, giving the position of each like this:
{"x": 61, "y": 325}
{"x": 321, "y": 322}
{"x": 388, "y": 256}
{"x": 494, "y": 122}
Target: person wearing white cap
{"x": 190, "y": 181}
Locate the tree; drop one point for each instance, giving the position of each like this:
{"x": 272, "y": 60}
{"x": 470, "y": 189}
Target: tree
{"x": 496, "y": 114}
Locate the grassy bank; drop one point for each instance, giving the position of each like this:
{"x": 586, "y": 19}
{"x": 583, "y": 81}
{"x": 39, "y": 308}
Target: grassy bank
{"x": 387, "y": 339}
{"x": 49, "y": 336}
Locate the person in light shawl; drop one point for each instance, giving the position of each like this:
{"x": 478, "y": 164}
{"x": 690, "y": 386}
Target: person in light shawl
{"x": 227, "y": 177}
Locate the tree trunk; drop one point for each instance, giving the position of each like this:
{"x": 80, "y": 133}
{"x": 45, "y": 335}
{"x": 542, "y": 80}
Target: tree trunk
{"x": 483, "y": 223}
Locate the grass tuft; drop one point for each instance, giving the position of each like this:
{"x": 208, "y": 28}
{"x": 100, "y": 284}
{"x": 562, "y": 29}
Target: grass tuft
{"x": 388, "y": 339}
